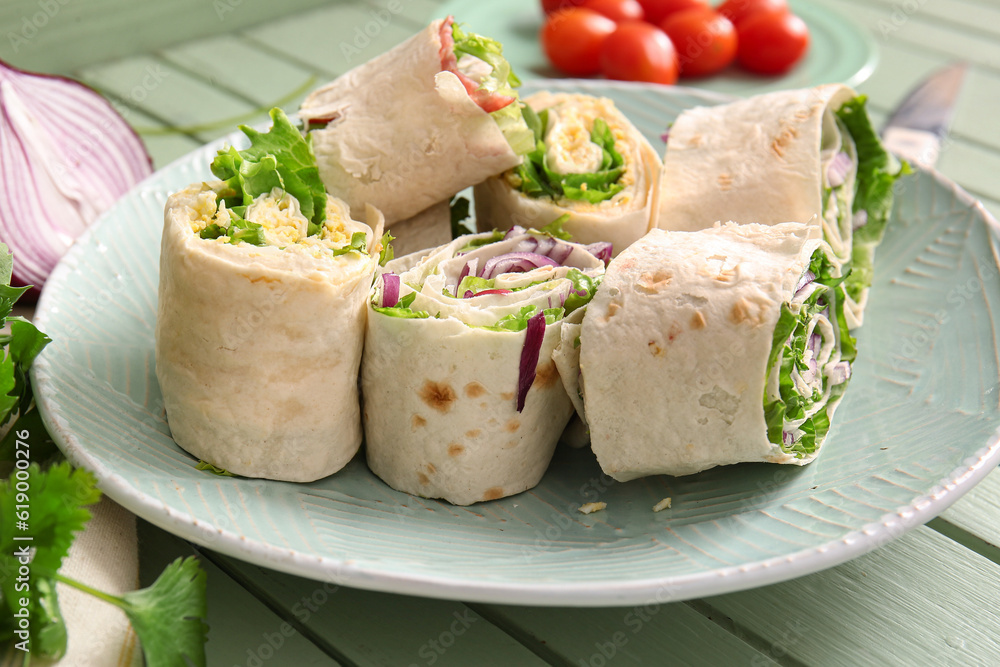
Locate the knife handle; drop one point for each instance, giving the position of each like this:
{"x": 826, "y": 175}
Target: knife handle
{"x": 913, "y": 145}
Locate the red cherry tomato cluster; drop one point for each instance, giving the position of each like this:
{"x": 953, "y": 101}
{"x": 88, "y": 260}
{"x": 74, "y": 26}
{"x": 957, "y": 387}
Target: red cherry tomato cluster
{"x": 659, "y": 40}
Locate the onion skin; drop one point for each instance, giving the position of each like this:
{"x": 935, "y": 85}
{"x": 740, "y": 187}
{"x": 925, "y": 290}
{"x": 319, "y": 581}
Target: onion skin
{"x": 66, "y": 155}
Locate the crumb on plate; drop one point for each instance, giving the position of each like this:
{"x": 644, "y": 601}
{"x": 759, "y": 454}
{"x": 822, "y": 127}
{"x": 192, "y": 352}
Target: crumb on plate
{"x": 662, "y": 505}
{"x": 592, "y": 507}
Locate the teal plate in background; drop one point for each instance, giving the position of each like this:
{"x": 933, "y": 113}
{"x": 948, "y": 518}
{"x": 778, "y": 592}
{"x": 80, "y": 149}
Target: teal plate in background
{"x": 840, "y": 51}
{"x": 917, "y": 429}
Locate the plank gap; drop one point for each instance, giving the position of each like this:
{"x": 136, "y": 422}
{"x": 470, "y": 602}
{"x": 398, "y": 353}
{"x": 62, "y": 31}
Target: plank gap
{"x": 268, "y": 601}
{"x": 521, "y": 635}
{"x": 746, "y": 635}
{"x": 966, "y": 539}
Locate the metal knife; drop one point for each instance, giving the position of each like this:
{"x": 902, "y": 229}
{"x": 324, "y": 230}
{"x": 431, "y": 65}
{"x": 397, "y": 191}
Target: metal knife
{"x": 920, "y": 123}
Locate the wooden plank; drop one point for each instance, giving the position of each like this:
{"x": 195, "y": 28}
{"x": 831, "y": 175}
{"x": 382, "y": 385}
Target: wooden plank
{"x": 262, "y": 78}
{"x": 920, "y": 600}
{"x": 62, "y": 35}
{"x": 336, "y": 38}
{"x": 963, "y": 16}
{"x": 928, "y": 34}
{"x": 977, "y": 515}
{"x": 172, "y": 96}
{"x": 652, "y": 634}
{"x": 369, "y": 628}
{"x": 242, "y": 631}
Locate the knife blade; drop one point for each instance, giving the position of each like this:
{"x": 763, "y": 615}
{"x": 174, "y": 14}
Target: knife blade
{"x": 920, "y": 123}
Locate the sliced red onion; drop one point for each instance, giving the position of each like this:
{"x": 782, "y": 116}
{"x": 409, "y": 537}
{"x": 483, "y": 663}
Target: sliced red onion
{"x": 787, "y": 438}
{"x": 516, "y": 230}
{"x": 837, "y": 171}
{"x": 806, "y": 278}
{"x": 602, "y": 250}
{"x": 390, "y": 290}
{"x": 840, "y": 372}
{"x": 528, "y": 244}
{"x": 498, "y": 290}
{"x": 515, "y": 262}
{"x": 534, "y": 333}
{"x": 66, "y": 156}
{"x": 560, "y": 252}
{"x": 665, "y": 136}
{"x": 469, "y": 269}
{"x": 860, "y": 219}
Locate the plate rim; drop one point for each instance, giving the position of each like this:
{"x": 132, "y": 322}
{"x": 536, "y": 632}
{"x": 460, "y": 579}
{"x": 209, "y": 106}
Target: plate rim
{"x": 346, "y": 571}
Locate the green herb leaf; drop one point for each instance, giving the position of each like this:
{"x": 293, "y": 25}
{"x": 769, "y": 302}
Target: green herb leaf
{"x": 215, "y": 470}
{"x": 460, "y": 218}
{"x": 386, "y": 254}
{"x": 357, "y": 244}
{"x": 169, "y": 616}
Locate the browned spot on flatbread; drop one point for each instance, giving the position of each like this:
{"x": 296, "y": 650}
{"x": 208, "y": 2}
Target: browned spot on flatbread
{"x": 655, "y": 349}
{"x": 455, "y": 449}
{"x": 507, "y": 396}
{"x": 438, "y": 395}
{"x": 431, "y": 469}
{"x": 474, "y": 390}
{"x": 612, "y": 309}
{"x": 493, "y": 493}
{"x": 726, "y": 274}
{"x": 423, "y": 479}
{"x": 418, "y": 421}
{"x": 784, "y": 138}
{"x": 261, "y": 279}
{"x": 746, "y": 311}
{"x": 546, "y": 376}
{"x": 697, "y": 320}
{"x": 695, "y": 140}
{"x": 725, "y": 182}
{"x": 510, "y": 444}
{"x": 474, "y": 433}
{"x": 512, "y": 425}
{"x": 673, "y": 332}
{"x": 653, "y": 282}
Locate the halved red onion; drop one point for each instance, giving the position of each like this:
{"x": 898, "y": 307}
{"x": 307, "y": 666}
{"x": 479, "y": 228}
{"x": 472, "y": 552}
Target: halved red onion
{"x": 534, "y": 333}
{"x": 66, "y": 156}
{"x": 836, "y": 172}
{"x": 515, "y": 262}
{"x": 390, "y": 290}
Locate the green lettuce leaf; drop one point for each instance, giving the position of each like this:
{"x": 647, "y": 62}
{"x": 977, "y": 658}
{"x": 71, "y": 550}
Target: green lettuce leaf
{"x": 878, "y": 172}
{"x": 503, "y": 80}
{"x": 581, "y": 283}
{"x": 402, "y": 308}
{"x": 519, "y": 321}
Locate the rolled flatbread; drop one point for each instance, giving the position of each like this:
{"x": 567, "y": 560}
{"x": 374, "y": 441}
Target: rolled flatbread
{"x": 258, "y": 346}
{"x": 605, "y": 199}
{"x": 462, "y": 399}
{"x": 413, "y": 126}
{"x": 715, "y": 347}
{"x": 807, "y": 155}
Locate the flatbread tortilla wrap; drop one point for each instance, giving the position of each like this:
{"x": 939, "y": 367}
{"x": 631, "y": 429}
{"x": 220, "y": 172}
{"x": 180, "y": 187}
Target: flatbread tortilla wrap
{"x": 715, "y": 347}
{"x": 590, "y": 164}
{"x": 413, "y": 126}
{"x": 260, "y": 326}
{"x": 808, "y": 155}
{"x": 462, "y": 400}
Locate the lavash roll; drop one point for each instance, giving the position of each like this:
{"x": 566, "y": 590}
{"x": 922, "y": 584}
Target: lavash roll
{"x": 619, "y": 220}
{"x": 402, "y": 134}
{"x": 784, "y": 156}
{"x": 676, "y": 350}
{"x": 258, "y": 347}
{"x": 441, "y": 392}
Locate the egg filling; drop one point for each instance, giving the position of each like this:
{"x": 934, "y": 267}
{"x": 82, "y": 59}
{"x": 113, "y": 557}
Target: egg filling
{"x": 275, "y": 219}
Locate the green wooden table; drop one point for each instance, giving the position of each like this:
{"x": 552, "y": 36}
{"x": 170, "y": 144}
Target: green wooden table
{"x": 188, "y": 71}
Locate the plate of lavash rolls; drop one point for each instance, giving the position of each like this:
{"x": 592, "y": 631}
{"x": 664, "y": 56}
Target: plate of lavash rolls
{"x": 680, "y": 345}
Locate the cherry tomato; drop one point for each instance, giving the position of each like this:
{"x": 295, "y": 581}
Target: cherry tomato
{"x": 551, "y": 6}
{"x": 737, "y": 10}
{"x": 572, "y": 40}
{"x": 639, "y": 51}
{"x": 771, "y": 43}
{"x": 616, "y": 10}
{"x": 657, "y": 10}
{"x": 705, "y": 41}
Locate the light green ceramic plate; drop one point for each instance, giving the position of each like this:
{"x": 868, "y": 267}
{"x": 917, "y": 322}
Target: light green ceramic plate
{"x": 840, "y": 51}
{"x": 917, "y": 429}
